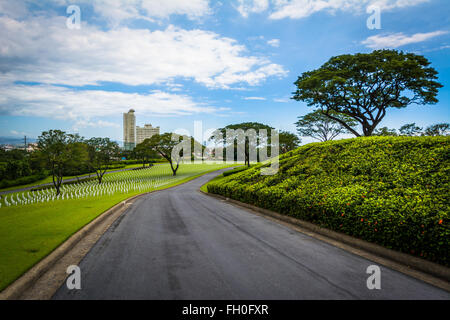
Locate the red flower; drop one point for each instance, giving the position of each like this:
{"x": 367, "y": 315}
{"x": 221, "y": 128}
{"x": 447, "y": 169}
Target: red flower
{"x": 362, "y": 219}
{"x": 440, "y": 221}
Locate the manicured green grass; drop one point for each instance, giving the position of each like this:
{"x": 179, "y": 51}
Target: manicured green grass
{"x": 28, "y": 233}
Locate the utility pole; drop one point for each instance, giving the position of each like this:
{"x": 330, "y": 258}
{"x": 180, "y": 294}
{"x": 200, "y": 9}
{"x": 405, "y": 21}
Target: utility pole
{"x": 25, "y": 143}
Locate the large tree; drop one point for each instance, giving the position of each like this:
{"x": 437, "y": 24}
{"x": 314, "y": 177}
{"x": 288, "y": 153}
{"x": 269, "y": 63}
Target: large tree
{"x": 165, "y": 143}
{"x": 102, "y": 151}
{"x": 231, "y": 133}
{"x": 61, "y": 151}
{"x": 365, "y": 86}
{"x": 319, "y": 126}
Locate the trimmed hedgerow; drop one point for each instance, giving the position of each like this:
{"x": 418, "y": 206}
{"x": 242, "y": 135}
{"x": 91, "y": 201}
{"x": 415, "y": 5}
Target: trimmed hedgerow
{"x": 393, "y": 191}
{"x": 235, "y": 170}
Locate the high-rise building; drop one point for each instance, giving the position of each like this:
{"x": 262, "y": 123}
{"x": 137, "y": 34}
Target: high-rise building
{"x": 129, "y": 130}
{"x": 145, "y": 133}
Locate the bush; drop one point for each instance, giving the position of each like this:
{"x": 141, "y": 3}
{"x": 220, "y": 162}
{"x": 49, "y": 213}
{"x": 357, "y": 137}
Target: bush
{"x": 235, "y": 170}
{"x": 392, "y": 191}
{"x": 23, "y": 180}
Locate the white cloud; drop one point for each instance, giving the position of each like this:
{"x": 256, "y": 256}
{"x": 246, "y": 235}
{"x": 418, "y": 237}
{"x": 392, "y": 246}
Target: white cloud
{"x": 298, "y": 9}
{"x": 13, "y": 9}
{"x": 116, "y": 12}
{"x": 399, "y": 39}
{"x": 274, "y": 43}
{"x": 43, "y": 50}
{"x": 252, "y": 6}
{"x": 18, "y": 133}
{"x": 281, "y": 100}
{"x": 84, "y": 106}
{"x": 255, "y": 98}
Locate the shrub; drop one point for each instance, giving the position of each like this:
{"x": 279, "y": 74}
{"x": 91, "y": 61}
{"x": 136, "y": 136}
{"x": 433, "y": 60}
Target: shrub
{"x": 392, "y": 191}
{"x": 23, "y": 180}
{"x": 235, "y": 170}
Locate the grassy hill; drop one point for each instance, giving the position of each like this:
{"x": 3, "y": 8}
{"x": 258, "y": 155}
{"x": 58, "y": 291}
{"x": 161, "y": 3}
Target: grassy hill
{"x": 393, "y": 191}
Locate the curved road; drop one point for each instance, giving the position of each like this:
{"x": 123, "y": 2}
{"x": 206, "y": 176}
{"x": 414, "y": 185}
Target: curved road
{"x": 181, "y": 244}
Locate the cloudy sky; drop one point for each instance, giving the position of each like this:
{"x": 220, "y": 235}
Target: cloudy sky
{"x": 177, "y": 61}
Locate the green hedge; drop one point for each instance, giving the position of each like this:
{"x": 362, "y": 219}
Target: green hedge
{"x": 22, "y": 181}
{"x": 236, "y": 170}
{"x": 393, "y": 191}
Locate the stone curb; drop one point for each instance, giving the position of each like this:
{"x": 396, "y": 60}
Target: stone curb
{"x": 15, "y": 290}
{"x": 428, "y": 267}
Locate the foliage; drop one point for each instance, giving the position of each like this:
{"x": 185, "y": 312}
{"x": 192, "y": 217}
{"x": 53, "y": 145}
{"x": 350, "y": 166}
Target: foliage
{"x": 385, "y": 132}
{"x": 101, "y": 152}
{"x": 22, "y": 180}
{"x": 17, "y": 164}
{"x": 170, "y": 147}
{"x": 60, "y": 151}
{"x": 234, "y": 171}
{"x": 145, "y": 152}
{"x": 440, "y": 129}
{"x": 288, "y": 141}
{"x": 392, "y": 191}
{"x": 410, "y": 129}
{"x": 365, "y": 86}
{"x": 249, "y": 145}
{"x": 319, "y": 126}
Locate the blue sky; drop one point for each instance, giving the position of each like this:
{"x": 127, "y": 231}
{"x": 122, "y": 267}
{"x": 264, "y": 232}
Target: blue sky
{"x": 178, "y": 61}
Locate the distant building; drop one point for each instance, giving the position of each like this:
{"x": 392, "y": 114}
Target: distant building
{"x": 129, "y": 130}
{"x": 32, "y": 147}
{"x": 8, "y": 147}
{"x": 145, "y": 133}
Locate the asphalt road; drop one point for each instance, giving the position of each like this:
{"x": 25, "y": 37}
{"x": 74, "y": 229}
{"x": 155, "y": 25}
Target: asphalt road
{"x": 181, "y": 244}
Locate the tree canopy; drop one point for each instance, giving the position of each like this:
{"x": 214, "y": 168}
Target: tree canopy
{"x": 365, "y": 86}
{"x": 172, "y": 149}
{"x": 248, "y": 145}
{"x": 288, "y": 141}
{"x": 101, "y": 152}
{"x": 440, "y": 129}
{"x": 319, "y": 126}
{"x": 144, "y": 151}
{"x": 410, "y": 129}
{"x": 60, "y": 150}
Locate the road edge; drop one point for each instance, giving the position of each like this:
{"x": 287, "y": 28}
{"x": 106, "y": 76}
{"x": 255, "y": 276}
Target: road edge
{"x": 423, "y": 270}
{"x": 17, "y": 289}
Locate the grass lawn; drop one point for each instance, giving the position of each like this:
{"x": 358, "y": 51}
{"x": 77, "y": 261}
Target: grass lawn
{"x": 28, "y": 233}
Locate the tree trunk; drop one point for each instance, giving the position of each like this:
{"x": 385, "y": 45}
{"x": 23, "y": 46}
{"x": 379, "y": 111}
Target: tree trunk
{"x": 174, "y": 170}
